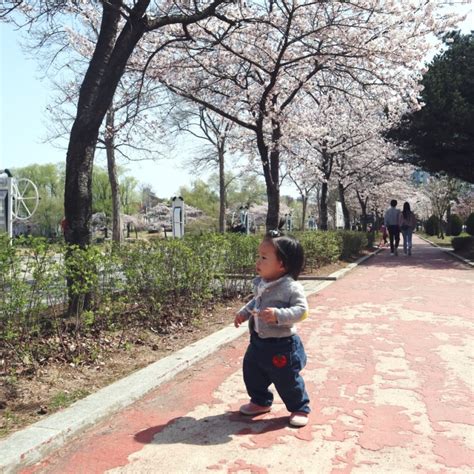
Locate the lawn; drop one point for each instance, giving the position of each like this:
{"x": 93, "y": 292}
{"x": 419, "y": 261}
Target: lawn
{"x": 446, "y": 242}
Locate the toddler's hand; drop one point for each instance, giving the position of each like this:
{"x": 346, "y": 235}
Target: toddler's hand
{"x": 268, "y": 315}
{"x": 239, "y": 319}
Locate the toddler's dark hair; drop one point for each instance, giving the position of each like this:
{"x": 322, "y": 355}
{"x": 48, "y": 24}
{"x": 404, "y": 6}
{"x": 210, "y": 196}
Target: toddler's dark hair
{"x": 289, "y": 251}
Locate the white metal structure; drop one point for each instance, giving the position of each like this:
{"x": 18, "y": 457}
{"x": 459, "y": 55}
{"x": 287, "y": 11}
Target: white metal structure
{"x": 19, "y": 200}
{"x": 177, "y": 217}
{"x": 245, "y": 218}
{"x": 339, "y": 216}
{"x": 25, "y": 199}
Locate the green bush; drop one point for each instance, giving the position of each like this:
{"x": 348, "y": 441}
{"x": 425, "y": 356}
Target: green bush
{"x": 432, "y": 226}
{"x": 464, "y": 245}
{"x": 352, "y": 243}
{"x": 320, "y": 248}
{"x": 470, "y": 224}
{"x": 455, "y": 224}
{"x": 145, "y": 283}
{"x": 32, "y": 289}
{"x": 240, "y": 253}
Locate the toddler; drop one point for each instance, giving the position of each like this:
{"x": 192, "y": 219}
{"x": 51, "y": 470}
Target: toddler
{"x": 384, "y": 237}
{"x": 275, "y": 353}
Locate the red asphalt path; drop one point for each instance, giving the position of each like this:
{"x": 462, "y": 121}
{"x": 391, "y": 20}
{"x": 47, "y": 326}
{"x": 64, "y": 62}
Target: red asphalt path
{"x": 389, "y": 376}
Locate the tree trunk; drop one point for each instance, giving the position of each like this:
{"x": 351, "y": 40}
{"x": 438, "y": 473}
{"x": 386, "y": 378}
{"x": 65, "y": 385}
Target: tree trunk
{"x": 327, "y": 162}
{"x": 318, "y": 202}
{"x": 113, "y": 178}
{"x": 273, "y": 214}
{"x": 323, "y": 216}
{"x": 440, "y": 227}
{"x": 222, "y": 189}
{"x": 270, "y": 163}
{"x": 448, "y": 220}
{"x": 363, "y": 207}
{"x": 345, "y": 211}
{"x": 304, "y": 207}
{"x": 95, "y": 97}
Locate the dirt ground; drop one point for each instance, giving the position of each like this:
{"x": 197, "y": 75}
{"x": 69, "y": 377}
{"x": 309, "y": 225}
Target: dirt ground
{"x": 27, "y": 396}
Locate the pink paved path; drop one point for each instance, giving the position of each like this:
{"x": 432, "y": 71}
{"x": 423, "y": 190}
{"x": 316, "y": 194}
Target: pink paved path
{"x": 389, "y": 374}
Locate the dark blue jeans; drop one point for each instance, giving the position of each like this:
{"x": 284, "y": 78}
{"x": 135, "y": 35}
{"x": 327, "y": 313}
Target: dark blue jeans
{"x": 278, "y": 361}
{"x": 394, "y": 235}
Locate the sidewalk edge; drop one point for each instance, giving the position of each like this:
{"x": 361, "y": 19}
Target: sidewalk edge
{"x": 449, "y": 252}
{"x": 28, "y": 446}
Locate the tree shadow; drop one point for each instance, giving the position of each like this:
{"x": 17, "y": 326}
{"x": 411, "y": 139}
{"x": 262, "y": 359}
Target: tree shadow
{"x": 210, "y": 430}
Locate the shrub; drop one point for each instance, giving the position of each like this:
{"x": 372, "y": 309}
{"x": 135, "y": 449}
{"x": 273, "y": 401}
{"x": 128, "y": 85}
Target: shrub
{"x": 352, "y": 243}
{"x": 455, "y": 224}
{"x": 470, "y": 224}
{"x": 139, "y": 283}
{"x": 464, "y": 246}
{"x": 320, "y": 247}
{"x": 239, "y": 252}
{"x": 432, "y": 226}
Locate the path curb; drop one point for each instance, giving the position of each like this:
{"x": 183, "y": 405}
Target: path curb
{"x": 449, "y": 252}
{"x": 30, "y": 445}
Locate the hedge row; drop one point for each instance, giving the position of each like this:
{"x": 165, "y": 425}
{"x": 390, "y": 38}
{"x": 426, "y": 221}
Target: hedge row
{"x": 464, "y": 246}
{"x": 141, "y": 283}
{"x": 455, "y": 225}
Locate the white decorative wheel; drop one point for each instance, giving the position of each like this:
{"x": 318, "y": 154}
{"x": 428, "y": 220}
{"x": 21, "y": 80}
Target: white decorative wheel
{"x": 25, "y": 199}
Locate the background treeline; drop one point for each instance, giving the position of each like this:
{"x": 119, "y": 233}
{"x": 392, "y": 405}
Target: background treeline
{"x": 50, "y": 178}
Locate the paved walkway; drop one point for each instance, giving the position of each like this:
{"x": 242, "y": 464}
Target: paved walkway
{"x": 389, "y": 374}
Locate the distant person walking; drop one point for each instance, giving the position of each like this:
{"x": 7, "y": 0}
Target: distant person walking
{"x": 391, "y": 222}
{"x": 407, "y": 223}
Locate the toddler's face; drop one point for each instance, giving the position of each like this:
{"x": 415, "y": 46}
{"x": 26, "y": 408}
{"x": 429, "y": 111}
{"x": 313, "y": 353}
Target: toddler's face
{"x": 268, "y": 265}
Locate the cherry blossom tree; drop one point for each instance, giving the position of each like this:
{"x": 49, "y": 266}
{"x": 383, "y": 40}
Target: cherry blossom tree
{"x": 123, "y": 25}
{"x": 442, "y": 191}
{"x": 273, "y": 52}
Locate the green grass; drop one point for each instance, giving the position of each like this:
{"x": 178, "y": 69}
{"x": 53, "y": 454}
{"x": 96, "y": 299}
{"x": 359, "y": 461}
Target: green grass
{"x": 446, "y": 242}
{"x": 63, "y": 399}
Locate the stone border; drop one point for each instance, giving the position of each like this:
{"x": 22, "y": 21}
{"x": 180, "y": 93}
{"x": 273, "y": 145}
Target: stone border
{"x": 448, "y": 251}
{"x": 30, "y": 445}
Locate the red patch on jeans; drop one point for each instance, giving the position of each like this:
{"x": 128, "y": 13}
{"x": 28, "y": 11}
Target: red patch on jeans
{"x": 279, "y": 361}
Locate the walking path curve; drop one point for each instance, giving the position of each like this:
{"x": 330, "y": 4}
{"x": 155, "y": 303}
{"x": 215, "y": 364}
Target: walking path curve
{"x": 389, "y": 376}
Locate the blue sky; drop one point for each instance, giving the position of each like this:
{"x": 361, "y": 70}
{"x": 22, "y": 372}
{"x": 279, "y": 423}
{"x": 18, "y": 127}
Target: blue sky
{"x": 23, "y": 98}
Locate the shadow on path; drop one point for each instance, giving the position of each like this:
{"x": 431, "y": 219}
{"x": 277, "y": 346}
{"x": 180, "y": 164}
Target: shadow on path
{"x": 210, "y": 430}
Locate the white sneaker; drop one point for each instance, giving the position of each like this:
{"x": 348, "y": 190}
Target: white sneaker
{"x": 299, "y": 419}
{"x": 392, "y": 254}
